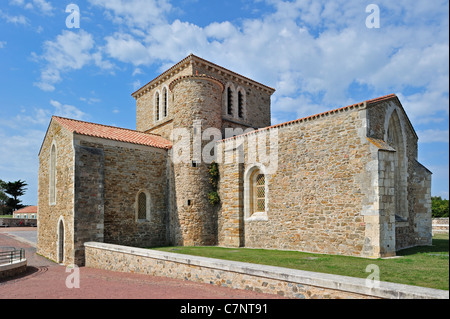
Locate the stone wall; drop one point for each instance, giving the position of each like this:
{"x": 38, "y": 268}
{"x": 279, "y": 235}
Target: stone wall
{"x": 197, "y": 101}
{"x": 285, "y": 282}
{"x": 116, "y": 173}
{"x": 315, "y": 197}
{"x": 89, "y": 197}
{"x": 14, "y": 269}
{"x": 49, "y": 215}
{"x": 145, "y": 106}
{"x": 440, "y": 226}
{"x": 338, "y": 186}
{"x": 17, "y": 222}
{"x": 405, "y": 198}
{"x": 257, "y": 112}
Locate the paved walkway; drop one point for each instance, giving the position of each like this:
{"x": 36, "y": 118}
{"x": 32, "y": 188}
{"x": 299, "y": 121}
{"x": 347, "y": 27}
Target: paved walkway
{"x": 47, "y": 280}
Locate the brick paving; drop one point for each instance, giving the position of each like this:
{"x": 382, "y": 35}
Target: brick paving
{"x": 45, "y": 279}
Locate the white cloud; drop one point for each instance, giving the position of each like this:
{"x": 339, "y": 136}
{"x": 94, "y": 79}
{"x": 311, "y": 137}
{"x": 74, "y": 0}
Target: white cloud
{"x": 136, "y": 85}
{"x": 34, "y": 116}
{"x": 284, "y": 51}
{"x": 41, "y": 6}
{"x": 221, "y": 31}
{"x": 14, "y": 19}
{"x": 19, "y": 158}
{"x": 2, "y": 44}
{"x": 433, "y": 136}
{"x": 312, "y": 52}
{"x": 69, "y": 111}
{"x": 91, "y": 100}
{"x": 135, "y": 13}
{"x": 17, "y": 2}
{"x": 125, "y": 48}
{"x": 426, "y": 107}
{"x": 70, "y": 51}
{"x": 44, "y": 6}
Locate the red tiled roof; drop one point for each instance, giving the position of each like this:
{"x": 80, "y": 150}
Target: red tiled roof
{"x": 316, "y": 116}
{"x": 113, "y": 133}
{"x": 27, "y": 210}
{"x": 381, "y": 99}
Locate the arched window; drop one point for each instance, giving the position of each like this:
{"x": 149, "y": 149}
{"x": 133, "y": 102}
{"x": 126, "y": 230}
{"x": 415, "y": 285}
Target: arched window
{"x": 143, "y": 206}
{"x": 157, "y": 106}
{"x": 255, "y": 194}
{"x": 395, "y": 139}
{"x": 259, "y": 192}
{"x": 52, "y": 190}
{"x": 165, "y": 102}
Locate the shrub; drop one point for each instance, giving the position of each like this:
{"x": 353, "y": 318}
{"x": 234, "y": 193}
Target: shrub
{"x": 214, "y": 176}
{"x": 439, "y": 207}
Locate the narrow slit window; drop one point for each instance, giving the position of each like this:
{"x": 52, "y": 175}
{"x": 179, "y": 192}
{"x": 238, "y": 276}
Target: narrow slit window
{"x": 142, "y": 206}
{"x": 52, "y": 193}
{"x": 157, "y": 106}
{"x": 229, "y": 101}
{"x": 165, "y": 102}
{"x": 240, "y": 104}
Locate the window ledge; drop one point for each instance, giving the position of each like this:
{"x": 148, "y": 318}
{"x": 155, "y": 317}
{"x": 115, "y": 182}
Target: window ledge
{"x": 259, "y": 216}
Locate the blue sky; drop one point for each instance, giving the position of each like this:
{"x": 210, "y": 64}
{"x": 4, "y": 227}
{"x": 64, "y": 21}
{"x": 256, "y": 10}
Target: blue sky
{"x": 318, "y": 55}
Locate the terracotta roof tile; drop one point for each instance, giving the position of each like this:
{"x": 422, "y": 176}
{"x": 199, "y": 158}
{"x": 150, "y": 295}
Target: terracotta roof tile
{"x": 381, "y": 99}
{"x": 27, "y": 210}
{"x": 113, "y": 133}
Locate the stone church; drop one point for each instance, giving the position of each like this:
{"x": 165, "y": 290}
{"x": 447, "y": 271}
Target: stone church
{"x": 346, "y": 181}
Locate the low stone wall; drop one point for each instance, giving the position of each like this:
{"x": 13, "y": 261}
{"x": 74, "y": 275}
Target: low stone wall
{"x": 440, "y": 226}
{"x": 10, "y": 270}
{"x": 239, "y": 275}
{"x": 17, "y": 222}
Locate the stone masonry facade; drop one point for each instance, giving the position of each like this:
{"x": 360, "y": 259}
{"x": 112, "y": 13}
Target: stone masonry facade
{"x": 345, "y": 182}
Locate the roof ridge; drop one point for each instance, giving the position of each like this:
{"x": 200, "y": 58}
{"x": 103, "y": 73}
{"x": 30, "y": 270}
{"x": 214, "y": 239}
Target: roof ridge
{"x": 318, "y": 115}
{"x": 167, "y": 71}
{"x": 192, "y": 57}
{"x": 104, "y": 125}
{"x": 228, "y": 70}
{"x": 381, "y": 98}
{"x": 113, "y": 133}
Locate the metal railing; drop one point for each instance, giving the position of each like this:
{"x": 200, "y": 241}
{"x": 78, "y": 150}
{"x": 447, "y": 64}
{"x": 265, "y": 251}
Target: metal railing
{"x": 9, "y": 255}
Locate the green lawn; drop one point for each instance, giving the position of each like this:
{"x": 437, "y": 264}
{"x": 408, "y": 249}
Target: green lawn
{"x": 418, "y": 266}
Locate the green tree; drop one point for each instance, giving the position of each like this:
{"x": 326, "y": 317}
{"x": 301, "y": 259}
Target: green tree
{"x": 3, "y": 198}
{"x": 15, "y": 190}
{"x": 439, "y": 207}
